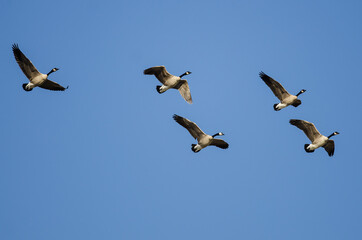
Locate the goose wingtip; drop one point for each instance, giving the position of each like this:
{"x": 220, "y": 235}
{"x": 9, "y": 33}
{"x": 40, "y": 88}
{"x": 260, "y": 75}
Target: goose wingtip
{"x": 15, "y": 46}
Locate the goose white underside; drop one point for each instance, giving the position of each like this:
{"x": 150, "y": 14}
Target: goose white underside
{"x": 164, "y": 88}
{"x": 318, "y": 143}
{"x": 197, "y": 148}
{"x": 36, "y": 81}
{"x": 280, "y": 106}
{"x": 30, "y": 86}
{"x": 312, "y": 147}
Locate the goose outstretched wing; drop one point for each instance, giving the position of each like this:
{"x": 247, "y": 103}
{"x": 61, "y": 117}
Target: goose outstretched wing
{"x": 160, "y": 72}
{"x": 278, "y": 90}
{"x": 194, "y": 130}
{"x": 329, "y": 147}
{"x": 24, "y": 63}
{"x": 184, "y": 90}
{"x": 219, "y": 143}
{"x": 50, "y": 85}
{"x": 308, "y": 128}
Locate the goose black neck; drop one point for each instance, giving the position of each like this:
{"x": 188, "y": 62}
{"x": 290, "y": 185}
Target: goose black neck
{"x": 299, "y": 93}
{"x": 216, "y": 134}
{"x": 330, "y": 135}
{"x": 182, "y": 75}
{"x": 51, "y": 71}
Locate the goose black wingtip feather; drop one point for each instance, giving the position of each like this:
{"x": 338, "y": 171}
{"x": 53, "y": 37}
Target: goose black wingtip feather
{"x": 15, "y": 46}
{"x": 16, "y": 51}
{"x": 264, "y": 77}
{"x": 293, "y": 121}
{"x": 262, "y": 74}
{"x": 176, "y": 117}
{"x": 148, "y": 71}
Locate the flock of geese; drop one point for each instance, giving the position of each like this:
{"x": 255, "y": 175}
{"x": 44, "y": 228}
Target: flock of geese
{"x": 169, "y": 81}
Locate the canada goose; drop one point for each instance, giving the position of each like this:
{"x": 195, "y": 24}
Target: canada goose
{"x": 317, "y": 139}
{"x": 36, "y": 79}
{"x": 170, "y": 81}
{"x": 203, "y": 139}
{"x": 285, "y": 98}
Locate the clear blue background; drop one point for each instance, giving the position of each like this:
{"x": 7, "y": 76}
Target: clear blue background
{"x": 105, "y": 159}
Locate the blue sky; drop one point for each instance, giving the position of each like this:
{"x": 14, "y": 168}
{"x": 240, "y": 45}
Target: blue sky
{"x": 105, "y": 159}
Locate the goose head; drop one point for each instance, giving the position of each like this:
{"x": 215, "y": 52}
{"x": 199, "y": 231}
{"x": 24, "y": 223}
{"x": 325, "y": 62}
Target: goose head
{"x": 218, "y": 134}
{"x": 301, "y": 91}
{"x": 53, "y": 70}
{"x": 186, "y": 73}
{"x": 333, "y": 134}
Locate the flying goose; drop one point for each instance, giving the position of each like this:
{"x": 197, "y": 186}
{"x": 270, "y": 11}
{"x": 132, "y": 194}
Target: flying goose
{"x": 317, "y": 139}
{"x": 203, "y": 139}
{"x": 36, "y": 79}
{"x": 170, "y": 81}
{"x": 285, "y": 98}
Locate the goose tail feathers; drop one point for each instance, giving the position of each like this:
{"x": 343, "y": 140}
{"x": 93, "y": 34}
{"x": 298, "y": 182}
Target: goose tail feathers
{"x": 24, "y": 87}
{"x": 306, "y": 148}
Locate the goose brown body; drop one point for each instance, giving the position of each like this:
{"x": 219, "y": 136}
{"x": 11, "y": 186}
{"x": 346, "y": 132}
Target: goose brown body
{"x": 203, "y": 139}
